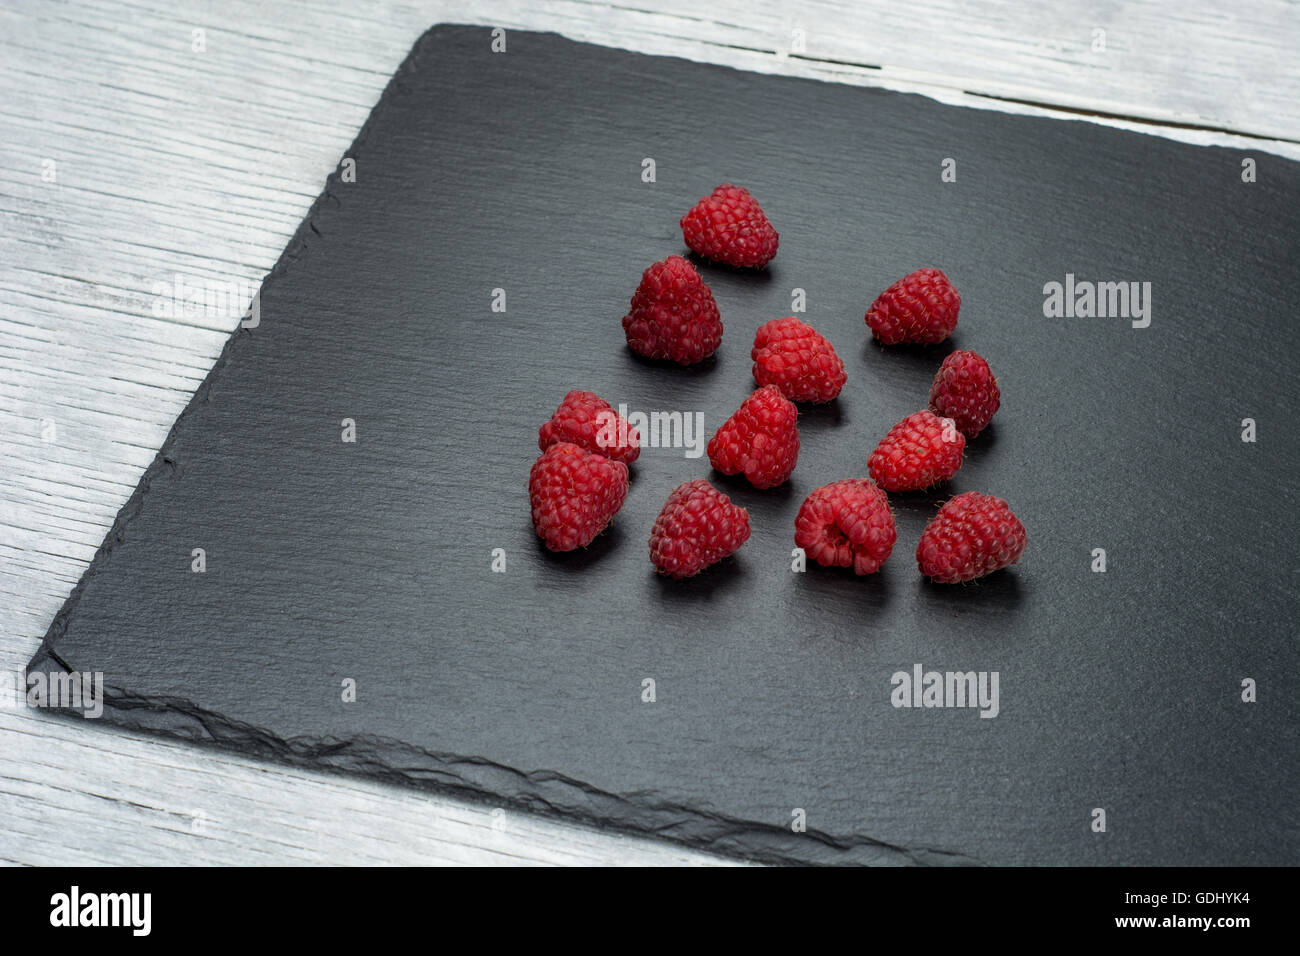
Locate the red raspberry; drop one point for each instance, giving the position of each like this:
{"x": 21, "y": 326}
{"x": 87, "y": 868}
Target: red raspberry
{"x": 846, "y": 524}
{"x": 761, "y": 439}
{"x": 698, "y": 526}
{"x": 729, "y": 226}
{"x": 965, "y": 391}
{"x": 587, "y": 420}
{"x": 921, "y": 450}
{"x": 971, "y": 536}
{"x": 795, "y": 358}
{"x": 673, "y": 315}
{"x": 575, "y": 493}
{"x": 920, "y": 308}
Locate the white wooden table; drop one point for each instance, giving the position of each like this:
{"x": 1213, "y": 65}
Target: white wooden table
{"x": 134, "y": 149}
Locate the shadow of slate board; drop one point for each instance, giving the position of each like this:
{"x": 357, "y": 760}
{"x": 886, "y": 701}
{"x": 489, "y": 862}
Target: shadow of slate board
{"x": 371, "y": 561}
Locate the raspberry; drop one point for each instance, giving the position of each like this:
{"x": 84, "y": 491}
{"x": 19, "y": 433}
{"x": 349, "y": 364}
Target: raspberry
{"x": 795, "y": 358}
{"x": 729, "y": 226}
{"x": 575, "y": 493}
{"x": 971, "y": 536}
{"x": 587, "y": 420}
{"x": 673, "y": 315}
{"x": 965, "y": 391}
{"x": 697, "y": 527}
{"x": 761, "y": 439}
{"x": 846, "y": 524}
{"x": 919, "y": 308}
{"x": 921, "y": 450}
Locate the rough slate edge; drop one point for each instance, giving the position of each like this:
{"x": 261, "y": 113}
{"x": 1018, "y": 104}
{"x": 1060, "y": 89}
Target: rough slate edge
{"x": 462, "y": 776}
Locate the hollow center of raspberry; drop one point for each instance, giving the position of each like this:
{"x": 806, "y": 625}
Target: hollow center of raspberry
{"x": 834, "y": 536}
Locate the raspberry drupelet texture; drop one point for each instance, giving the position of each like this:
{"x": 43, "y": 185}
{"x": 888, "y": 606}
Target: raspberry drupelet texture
{"x": 965, "y": 391}
{"x": 760, "y": 441}
{"x": 798, "y": 360}
{"x": 575, "y": 493}
{"x": 697, "y": 527}
{"x": 971, "y": 536}
{"x": 847, "y": 524}
{"x": 730, "y": 226}
{"x": 920, "y": 308}
{"x": 921, "y": 450}
{"x": 588, "y": 421}
{"x": 673, "y": 315}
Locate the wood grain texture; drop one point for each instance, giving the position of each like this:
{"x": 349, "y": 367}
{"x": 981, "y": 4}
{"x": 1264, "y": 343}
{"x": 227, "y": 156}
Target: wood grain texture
{"x": 169, "y": 160}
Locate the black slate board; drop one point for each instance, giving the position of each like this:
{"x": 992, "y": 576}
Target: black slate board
{"x": 325, "y": 561}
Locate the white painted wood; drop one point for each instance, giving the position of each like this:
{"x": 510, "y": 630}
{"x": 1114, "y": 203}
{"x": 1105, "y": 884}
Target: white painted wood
{"x": 172, "y": 160}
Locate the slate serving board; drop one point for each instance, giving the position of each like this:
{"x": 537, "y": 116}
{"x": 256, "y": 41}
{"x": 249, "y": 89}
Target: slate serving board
{"x": 371, "y": 561}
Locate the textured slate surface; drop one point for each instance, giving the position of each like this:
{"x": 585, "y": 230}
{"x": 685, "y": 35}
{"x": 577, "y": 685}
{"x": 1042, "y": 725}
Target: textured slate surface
{"x": 371, "y": 561}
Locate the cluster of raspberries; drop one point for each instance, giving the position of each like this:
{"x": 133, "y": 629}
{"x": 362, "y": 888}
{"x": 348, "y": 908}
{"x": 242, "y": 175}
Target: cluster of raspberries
{"x": 580, "y": 481}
